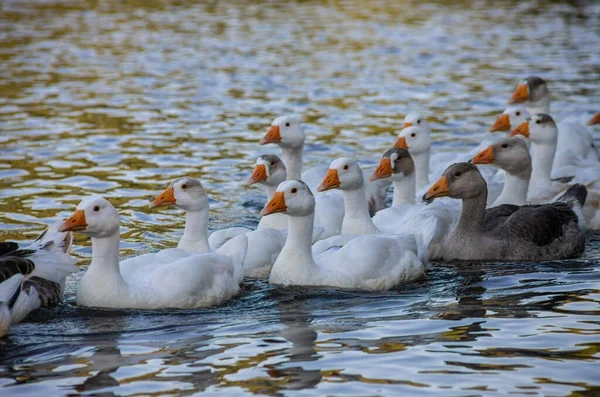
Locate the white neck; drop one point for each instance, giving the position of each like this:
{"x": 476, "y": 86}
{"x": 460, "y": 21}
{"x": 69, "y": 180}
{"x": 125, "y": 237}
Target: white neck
{"x": 195, "y": 234}
{"x": 297, "y": 251}
{"x": 404, "y": 191}
{"x": 513, "y": 192}
{"x": 422, "y": 168}
{"x": 292, "y": 158}
{"x": 543, "y": 157}
{"x": 356, "y": 213}
{"x": 541, "y": 106}
{"x": 104, "y": 268}
{"x": 270, "y": 190}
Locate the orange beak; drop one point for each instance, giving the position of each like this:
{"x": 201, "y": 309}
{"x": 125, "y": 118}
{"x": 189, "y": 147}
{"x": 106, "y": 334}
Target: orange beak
{"x": 438, "y": 189}
{"x": 259, "y": 175}
{"x": 594, "y": 120}
{"x": 486, "y": 156}
{"x": 272, "y": 136}
{"x": 384, "y": 170}
{"x": 331, "y": 181}
{"x": 502, "y": 124}
{"x": 75, "y": 223}
{"x": 401, "y": 142}
{"x": 166, "y": 198}
{"x": 520, "y": 95}
{"x": 277, "y": 204}
{"x": 522, "y": 129}
{"x": 407, "y": 124}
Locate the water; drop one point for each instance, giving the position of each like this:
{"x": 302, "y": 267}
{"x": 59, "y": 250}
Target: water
{"x": 119, "y": 99}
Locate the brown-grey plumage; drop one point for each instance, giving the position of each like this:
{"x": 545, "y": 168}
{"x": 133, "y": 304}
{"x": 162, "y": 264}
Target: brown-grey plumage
{"x": 512, "y": 155}
{"x": 538, "y": 88}
{"x": 507, "y": 232}
{"x": 402, "y": 161}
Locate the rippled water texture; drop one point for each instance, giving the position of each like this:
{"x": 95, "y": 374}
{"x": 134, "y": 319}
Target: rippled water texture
{"x": 118, "y": 98}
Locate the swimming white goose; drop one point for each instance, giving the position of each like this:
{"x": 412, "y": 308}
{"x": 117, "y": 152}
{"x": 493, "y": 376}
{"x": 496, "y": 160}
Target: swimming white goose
{"x": 541, "y": 130}
{"x": 432, "y": 222}
{"x": 575, "y": 143}
{"x": 33, "y": 276}
{"x": 345, "y": 174}
{"x": 372, "y": 262}
{"x": 193, "y": 280}
{"x": 269, "y": 171}
{"x": 418, "y": 142}
{"x": 287, "y": 132}
{"x": 507, "y": 232}
{"x": 509, "y": 119}
{"x": 257, "y": 249}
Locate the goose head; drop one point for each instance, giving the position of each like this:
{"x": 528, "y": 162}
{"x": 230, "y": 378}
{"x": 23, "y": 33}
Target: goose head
{"x": 459, "y": 181}
{"x": 416, "y": 120}
{"x": 530, "y": 89}
{"x": 396, "y": 163}
{"x": 595, "y": 119}
{"x": 285, "y": 131}
{"x": 414, "y": 139}
{"x": 269, "y": 171}
{"x": 293, "y": 198}
{"x": 186, "y": 193}
{"x": 509, "y": 119}
{"x": 509, "y": 154}
{"x": 94, "y": 217}
{"x": 344, "y": 173}
{"x": 539, "y": 128}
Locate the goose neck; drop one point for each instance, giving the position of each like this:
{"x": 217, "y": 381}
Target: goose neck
{"x": 472, "y": 214}
{"x": 543, "y": 158}
{"x": 513, "y": 192}
{"x": 270, "y": 190}
{"x": 104, "y": 267}
{"x": 357, "y": 219}
{"x": 292, "y": 158}
{"x": 195, "y": 234}
{"x": 299, "y": 238}
{"x": 422, "y": 168}
{"x": 404, "y": 191}
{"x": 540, "y": 106}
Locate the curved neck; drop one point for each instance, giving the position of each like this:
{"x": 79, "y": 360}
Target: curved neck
{"x": 404, "y": 190}
{"x": 195, "y": 234}
{"x": 540, "y": 106}
{"x": 292, "y": 158}
{"x": 472, "y": 214}
{"x": 422, "y": 168}
{"x": 513, "y": 192}
{"x": 541, "y": 163}
{"x": 104, "y": 268}
{"x": 357, "y": 219}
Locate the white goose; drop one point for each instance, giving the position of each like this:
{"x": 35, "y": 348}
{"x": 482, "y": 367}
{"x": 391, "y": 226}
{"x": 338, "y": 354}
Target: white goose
{"x": 575, "y": 144}
{"x": 256, "y": 249}
{"x": 418, "y": 142}
{"x": 543, "y": 134}
{"x": 509, "y": 119}
{"x": 372, "y": 262}
{"x": 433, "y": 222}
{"x": 33, "y": 276}
{"x": 287, "y": 132}
{"x": 191, "y": 281}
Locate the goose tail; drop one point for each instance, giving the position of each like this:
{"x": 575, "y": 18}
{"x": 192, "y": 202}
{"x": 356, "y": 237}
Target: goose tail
{"x": 575, "y": 197}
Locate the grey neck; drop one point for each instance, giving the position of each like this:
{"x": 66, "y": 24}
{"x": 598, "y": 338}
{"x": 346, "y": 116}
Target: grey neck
{"x": 422, "y": 168}
{"x": 292, "y": 158}
{"x": 195, "y": 234}
{"x": 543, "y": 158}
{"x": 472, "y": 214}
{"x": 539, "y": 106}
{"x": 404, "y": 190}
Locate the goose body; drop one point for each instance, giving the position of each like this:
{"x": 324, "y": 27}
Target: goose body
{"x": 371, "y": 262}
{"x": 507, "y": 232}
{"x": 432, "y": 222}
{"x": 188, "y": 281}
{"x": 33, "y": 276}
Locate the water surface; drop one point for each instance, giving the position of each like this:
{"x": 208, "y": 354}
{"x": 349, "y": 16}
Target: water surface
{"x": 119, "y": 98}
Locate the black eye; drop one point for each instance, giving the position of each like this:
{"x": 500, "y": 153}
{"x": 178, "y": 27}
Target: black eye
{"x": 96, "y": 208}
{"x": 287, "y": 124}
{"x": 518, "y": 113}
{"x": 538, "y": 122}
{"x": 346, "y": 167}
{"x": 184, "y": 186}
{"x": 419, "y": 121}
{"x": 413, "y": 135}
{"x": 504, "y": 145}
{"x": 457, "y": 174}
{"x": 272, "y": 163}
{"x": 294, "y": 190}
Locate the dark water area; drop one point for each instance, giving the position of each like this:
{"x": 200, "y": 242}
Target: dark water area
{"x": 119, "y": 98}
